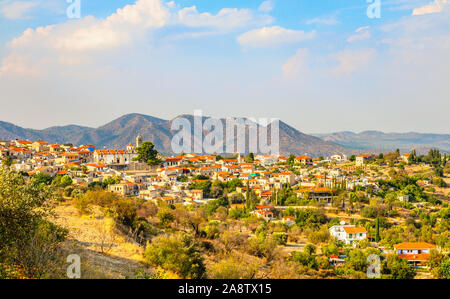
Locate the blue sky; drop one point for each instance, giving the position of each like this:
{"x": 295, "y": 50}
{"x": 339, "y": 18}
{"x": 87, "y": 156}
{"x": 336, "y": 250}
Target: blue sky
{"x": 321, "y": 66}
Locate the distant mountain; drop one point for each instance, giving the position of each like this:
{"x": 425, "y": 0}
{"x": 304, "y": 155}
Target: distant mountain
{"x": 389, "y": 141}
{"x": 120, "y": 132}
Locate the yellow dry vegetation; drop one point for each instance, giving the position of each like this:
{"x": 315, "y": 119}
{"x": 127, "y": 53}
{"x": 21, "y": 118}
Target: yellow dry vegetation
{"x": 105, "y": 252}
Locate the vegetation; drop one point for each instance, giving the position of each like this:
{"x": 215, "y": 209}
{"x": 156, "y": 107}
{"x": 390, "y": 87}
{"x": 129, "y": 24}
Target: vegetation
{"x": 147, "y": 154}
{"x": 28, "y": 241}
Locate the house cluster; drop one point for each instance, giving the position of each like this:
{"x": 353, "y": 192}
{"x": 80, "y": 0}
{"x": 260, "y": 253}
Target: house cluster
{"x": 417, "y": 254}
{"x": 310, "y": 178}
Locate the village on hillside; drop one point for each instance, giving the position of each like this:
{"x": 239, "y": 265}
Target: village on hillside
{"x": 292, "y": 216}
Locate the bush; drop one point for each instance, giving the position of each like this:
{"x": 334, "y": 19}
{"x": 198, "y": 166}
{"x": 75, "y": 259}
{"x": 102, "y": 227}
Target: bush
{"x": 280, "y": 238}
{"x": 28, "y": 242}
{"x": 320, "y": 236}
{"x": 177, "y": 253}
{"x": 444, "y": 269}
{"x": 262, "y": 246}
{"x": 396, "y": 268}
{"x": 165, "y": 217}
{"x": 305, "y": 259}
{"x": 439, "y": 182}
{"x": 234, "y": 267}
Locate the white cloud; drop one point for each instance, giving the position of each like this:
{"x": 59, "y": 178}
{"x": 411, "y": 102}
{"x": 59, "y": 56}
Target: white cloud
{"x": 433, "y": 7}
{"x": 84, "y": 40}
{"x": 267, "y": 37}
{"x": 296, "y": 63}
{"x": 323, "y": 21}
{"x": 266, "y": 6}
{"x": 226, "y": 18}
{"x": 16, "y": 9}
{"x": 361, "y": 34}
{"x": 70, "y": 42}
{"x": 353, "y": 60}
{"x": 92, "y": 34}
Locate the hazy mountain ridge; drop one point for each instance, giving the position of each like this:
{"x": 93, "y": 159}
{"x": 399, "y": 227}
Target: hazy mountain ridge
{"x": 389, "y": 141}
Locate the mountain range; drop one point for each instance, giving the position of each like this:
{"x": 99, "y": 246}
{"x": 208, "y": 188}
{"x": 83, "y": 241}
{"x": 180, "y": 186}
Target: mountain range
{"x": 382, "y": 142}
{"x": 123, "y": 130}
{"x": 120, "y": 132}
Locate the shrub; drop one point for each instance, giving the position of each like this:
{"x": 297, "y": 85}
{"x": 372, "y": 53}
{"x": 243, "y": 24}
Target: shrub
{"x": 27, "y": 240}
{"x": 395, "y": 268}
{"x": 177, "y": 253}
{"x": 280, "y": 238}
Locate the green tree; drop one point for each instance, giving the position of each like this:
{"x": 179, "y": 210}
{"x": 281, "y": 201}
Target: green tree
{"x": 291, "y": 160}
{"x": 444, "y": 269}
{"x": 42, "y": 178}
{"x": 66, "y": 181}
{"x": 412, "y": 157}
{"x": 7, "y": 162}
{"x": 250, "y": 158}
{"x": 280, "y": 237}
{"x": 231, "y": 185}
{"x": 357, "y": 260}
{"x": 177, "y": 253}
{"x": 147, "y": 154}
{"x": 27, "y": 238}
{"x": 305, "y": 259}
{"x": 377, "y": 230}
{"x": 396, "y": 268}
{"x": 165, "y": 217}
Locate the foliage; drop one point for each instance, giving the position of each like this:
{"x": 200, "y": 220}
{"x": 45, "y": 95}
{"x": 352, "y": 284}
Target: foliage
{"x": 395, "y": 268}
{"x": 147, "y": 154}
{"x": 320, "y": 236}
{"x": 177, "y": 253}
{"x": 280, "y": 238}
{"x": 28, "y": 241}
{"x": 165, "y": 217}
{"x": 250, "y": 158}
{"x": 234, "y": 267}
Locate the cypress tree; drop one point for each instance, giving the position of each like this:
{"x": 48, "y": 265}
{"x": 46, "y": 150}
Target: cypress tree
{"x": 377, "y": 228}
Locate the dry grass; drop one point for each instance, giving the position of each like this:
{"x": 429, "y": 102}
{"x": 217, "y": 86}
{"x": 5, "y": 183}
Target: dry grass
{"x": 104, "y": 251}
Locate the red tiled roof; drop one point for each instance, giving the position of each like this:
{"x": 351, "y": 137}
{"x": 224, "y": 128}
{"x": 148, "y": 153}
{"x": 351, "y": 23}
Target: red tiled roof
{"x": 355, "y": 230}
{"x": 414, "y": 245}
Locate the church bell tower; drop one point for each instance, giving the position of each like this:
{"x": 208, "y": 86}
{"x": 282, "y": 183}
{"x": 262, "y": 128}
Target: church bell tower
{"x": 138, "y": 140}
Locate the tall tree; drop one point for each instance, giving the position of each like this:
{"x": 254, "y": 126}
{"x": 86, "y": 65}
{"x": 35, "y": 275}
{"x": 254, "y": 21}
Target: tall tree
{"x": 377, "y": 229}
{"x": 147, "y": 154}
{"x": 291, "y": 160}
{"x": 250, "y": 158}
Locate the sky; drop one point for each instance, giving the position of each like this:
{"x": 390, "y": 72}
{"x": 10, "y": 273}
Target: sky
{"x": 321, "y": 66}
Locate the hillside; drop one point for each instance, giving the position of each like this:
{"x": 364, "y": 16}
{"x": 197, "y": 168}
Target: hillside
{"x": 104, "y": 251}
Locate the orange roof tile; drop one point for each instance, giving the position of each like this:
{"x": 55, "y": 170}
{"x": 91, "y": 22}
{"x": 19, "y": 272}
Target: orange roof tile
{"x": 414, "y": 245}
{"x": 355, "y": 230}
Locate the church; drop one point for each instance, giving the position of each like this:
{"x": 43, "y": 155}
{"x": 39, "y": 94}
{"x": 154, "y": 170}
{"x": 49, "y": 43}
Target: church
{"x": 118, "y": 156}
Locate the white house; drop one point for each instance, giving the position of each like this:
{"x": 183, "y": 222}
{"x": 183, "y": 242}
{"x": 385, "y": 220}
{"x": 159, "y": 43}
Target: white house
{"x": 114, "y": 156}
{"x": 348, "y": 233}
{"x": 339, "y": 158}
{"x": 263, "y": 212}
